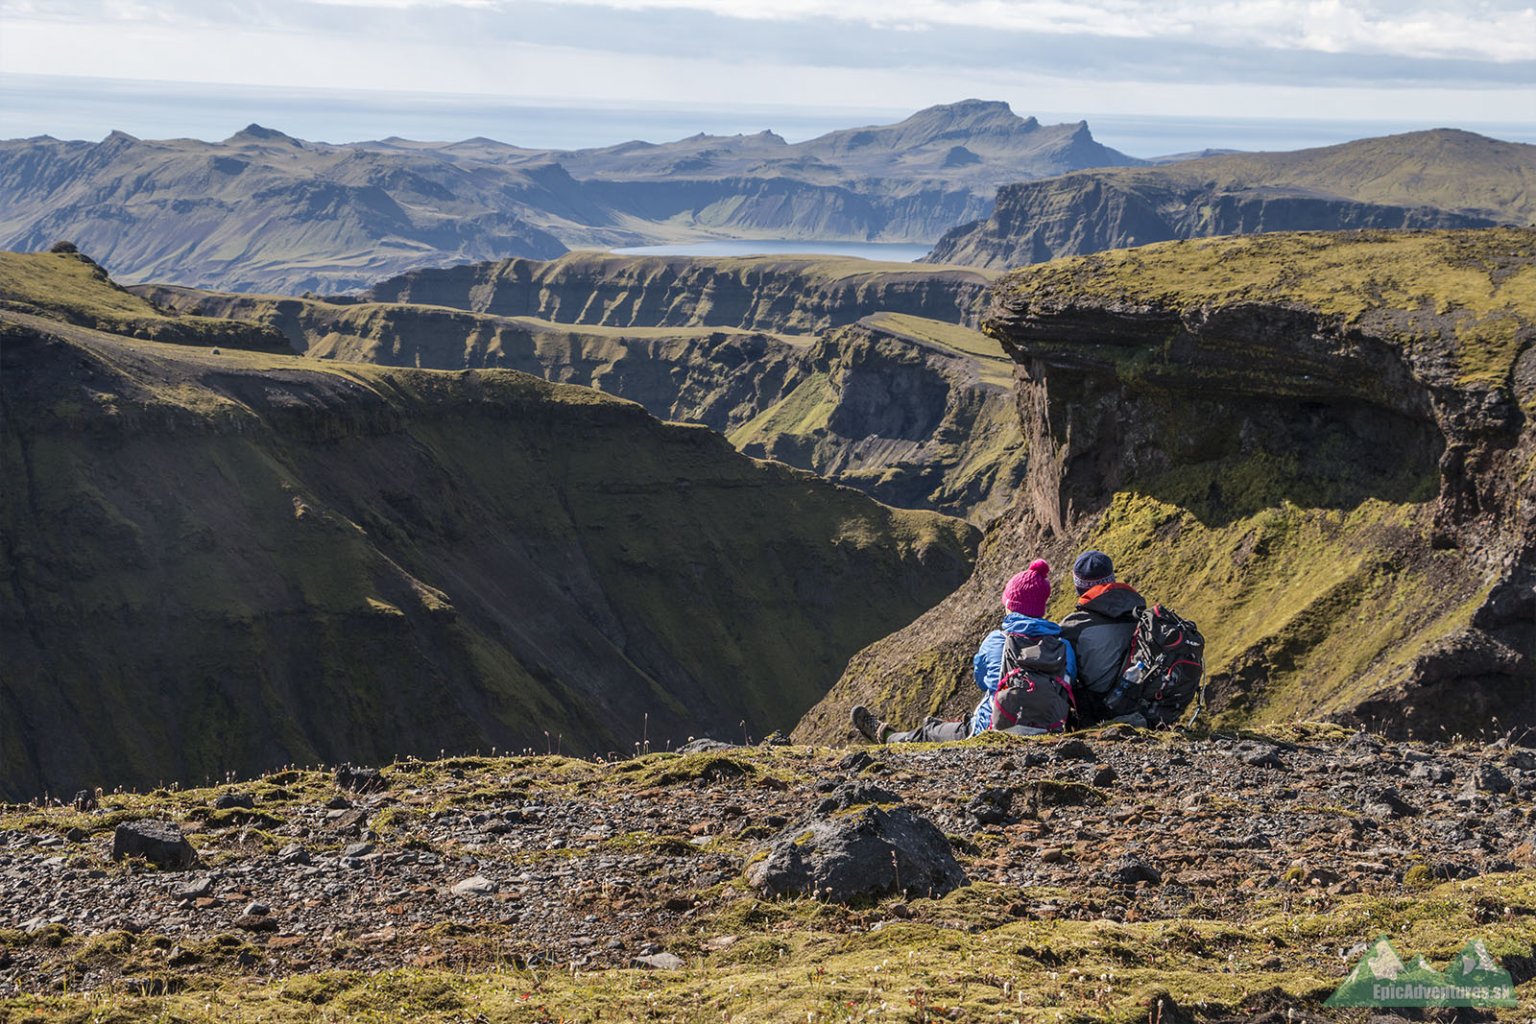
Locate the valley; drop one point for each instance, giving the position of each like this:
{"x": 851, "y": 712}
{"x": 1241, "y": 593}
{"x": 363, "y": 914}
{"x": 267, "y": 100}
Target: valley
{"x": 223, "y": 557}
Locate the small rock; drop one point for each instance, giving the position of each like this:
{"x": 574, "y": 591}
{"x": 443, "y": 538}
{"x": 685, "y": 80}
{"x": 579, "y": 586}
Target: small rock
{"x": 362, "y": 849}
{"x": 855, "y": 762}
{"x": 702, "y": 744}
{"x": 1269, "y": 757}
{"x": 256, "y": 923}
{"x": 360, "y": 780}
{"x": 1130, "y": 869}
{"x": 991, "y": 806}
{"x": 196, "y": 887}
{"x": 293, "y": 853}
{"x": 1323, "y": 876}
{"x": 1074, "y": 750}
{"x": 76, "y": 834}
{"x": 85, "y": 801}
{"x": 354, "y": 820}
{"x": 338, "y": 803}
{"x": 1438, "y": 774}
{"x": 475, "y": 885}
{"x": 1491, "y": 780}
{"x": 1106, "y": 775}
{"x": 659, "y": 962}
{"x": 852, "y": 794}
{"x": 255, "y": 909}
{"x": 224, "y": 801}
{"x": 1386, "y": 803}
{"x": 159, "y": 842}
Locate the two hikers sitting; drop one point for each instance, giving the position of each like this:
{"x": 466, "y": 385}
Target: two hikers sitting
{"x": 1036, "y": 675}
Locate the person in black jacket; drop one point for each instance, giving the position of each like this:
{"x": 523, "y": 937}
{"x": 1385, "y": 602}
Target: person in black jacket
{"x": 1100, "y": 630}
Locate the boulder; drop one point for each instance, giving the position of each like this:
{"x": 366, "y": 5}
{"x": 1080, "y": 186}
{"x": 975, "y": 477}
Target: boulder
{"x": 159, "y": 842}
{"x": 858, "y": 856}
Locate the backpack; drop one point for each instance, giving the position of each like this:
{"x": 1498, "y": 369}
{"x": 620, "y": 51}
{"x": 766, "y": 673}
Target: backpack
{"x": 1163, "y": 668}
{"x": 1033, "y": 694}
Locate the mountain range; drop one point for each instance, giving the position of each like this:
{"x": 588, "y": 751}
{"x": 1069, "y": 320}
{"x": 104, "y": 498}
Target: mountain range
{"x": 261, "y": 211}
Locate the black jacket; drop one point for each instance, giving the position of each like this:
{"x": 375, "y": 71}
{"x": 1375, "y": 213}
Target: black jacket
{"x": 1100, "y": 631}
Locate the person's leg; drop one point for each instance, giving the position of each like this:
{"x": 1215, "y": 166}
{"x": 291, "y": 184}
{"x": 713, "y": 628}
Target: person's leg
{"x": 934, "y": 730}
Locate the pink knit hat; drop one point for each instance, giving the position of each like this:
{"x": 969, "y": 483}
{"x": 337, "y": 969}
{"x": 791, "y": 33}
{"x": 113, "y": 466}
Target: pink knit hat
{"x": 1028, "y": 592}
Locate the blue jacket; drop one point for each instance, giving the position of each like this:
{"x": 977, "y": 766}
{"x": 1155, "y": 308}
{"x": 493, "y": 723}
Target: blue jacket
{"x": 988, "y": 663}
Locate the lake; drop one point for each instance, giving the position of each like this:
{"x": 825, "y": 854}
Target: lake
{"x": 895, "y": 252}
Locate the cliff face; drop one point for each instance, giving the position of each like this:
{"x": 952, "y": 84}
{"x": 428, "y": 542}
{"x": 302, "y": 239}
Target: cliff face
{"x": 798, "y": 295}
{"x": 914, "y": 412}
{"x": 1318, "y": 447}
{"x": 1442, "y": 179}
{"x": 222, "y": 560}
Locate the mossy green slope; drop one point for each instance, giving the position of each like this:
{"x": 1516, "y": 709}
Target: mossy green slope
{"x": 72, "y": 287}
{"x": 226, "y": 560}
{"x": 1319, "y": 447}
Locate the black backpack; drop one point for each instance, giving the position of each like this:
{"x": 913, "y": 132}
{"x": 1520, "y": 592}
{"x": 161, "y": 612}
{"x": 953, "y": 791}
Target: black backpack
{"x": 1163, "y": 669}
{"x": 1033, "y": 693}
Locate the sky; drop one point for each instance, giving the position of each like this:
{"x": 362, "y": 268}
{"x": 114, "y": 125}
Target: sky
{"x": 1443, "y": 62}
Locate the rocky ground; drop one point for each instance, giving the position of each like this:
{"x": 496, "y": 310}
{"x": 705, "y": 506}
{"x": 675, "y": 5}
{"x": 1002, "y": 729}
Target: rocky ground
{"x": 1113, "y": 875}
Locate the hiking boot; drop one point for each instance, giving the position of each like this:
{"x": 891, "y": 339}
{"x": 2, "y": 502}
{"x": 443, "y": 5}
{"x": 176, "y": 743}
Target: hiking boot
{"x": 865, "y": 721}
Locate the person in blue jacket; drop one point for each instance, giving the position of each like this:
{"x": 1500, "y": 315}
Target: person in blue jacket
{"x": 1025, "y": 599}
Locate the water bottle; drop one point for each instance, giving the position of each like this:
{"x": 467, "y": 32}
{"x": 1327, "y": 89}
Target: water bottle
{"x": 1127, "y": 692}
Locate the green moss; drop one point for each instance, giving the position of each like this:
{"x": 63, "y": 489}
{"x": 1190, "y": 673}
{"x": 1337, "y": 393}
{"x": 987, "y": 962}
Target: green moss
{"x": 961, "y": 957}
{"x": 802, "y": 412}
{"x": 1477, "y": 287}
{"x": 318, "y": 989}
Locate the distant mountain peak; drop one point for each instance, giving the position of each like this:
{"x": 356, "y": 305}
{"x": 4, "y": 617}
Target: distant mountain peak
{"x": 254, "y": 132}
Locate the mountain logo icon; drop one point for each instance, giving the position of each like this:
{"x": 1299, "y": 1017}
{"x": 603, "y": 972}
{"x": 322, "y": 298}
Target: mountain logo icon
{"x": 1382, "y": 978}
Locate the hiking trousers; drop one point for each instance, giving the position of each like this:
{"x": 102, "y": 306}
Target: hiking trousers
{"x": 934, "y": 730}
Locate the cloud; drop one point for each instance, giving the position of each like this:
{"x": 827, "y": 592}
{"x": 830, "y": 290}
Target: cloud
{"x": 1492, "y": 30}
{"x": 1203, "y": 55}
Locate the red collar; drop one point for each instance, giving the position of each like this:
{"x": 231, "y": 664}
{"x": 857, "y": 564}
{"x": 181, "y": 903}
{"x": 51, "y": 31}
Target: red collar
{"x": 1103, "y": 588}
